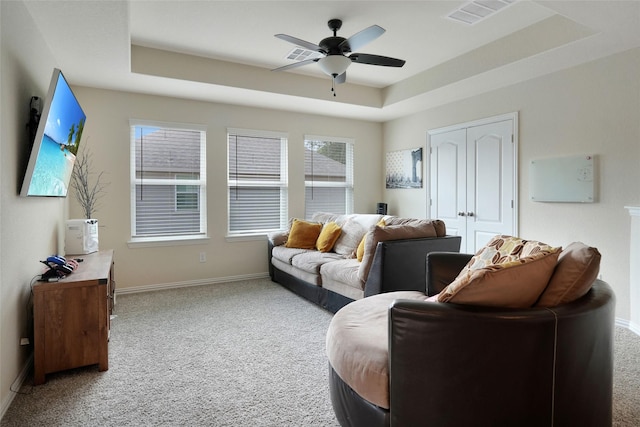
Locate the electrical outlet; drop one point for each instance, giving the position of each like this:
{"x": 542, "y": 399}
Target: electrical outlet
{"x": 24, "y": 341}
{"x": 203, "y": 257}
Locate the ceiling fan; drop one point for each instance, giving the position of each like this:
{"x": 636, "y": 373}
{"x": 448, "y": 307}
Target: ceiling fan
{"x": 335, "y": 62}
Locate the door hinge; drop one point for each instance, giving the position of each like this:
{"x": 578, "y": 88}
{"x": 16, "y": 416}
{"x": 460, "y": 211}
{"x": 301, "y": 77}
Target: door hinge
{"x": 512, "y": 204}
{"x": 512, "y": 139}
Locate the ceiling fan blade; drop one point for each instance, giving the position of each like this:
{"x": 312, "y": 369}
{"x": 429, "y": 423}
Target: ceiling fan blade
{"x": 299, "y": 42}
{"x": 365, "y": 58}
{"x": 296, "y": 64}
{"x": 362, "y": 38}
{"x": 341, "y": 78}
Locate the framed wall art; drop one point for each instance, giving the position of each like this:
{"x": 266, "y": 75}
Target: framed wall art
{"x": 404, "y": 168}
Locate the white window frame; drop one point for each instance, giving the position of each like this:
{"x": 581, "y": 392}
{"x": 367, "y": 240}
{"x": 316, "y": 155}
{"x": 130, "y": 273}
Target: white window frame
{"x": 348, "y": 184}
{"x": 175, "y": 239}
{"x": 282, "y": 183}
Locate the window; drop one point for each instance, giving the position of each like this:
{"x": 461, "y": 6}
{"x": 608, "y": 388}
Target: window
{"x": 328, "y": 170}
{"x": 168, "y": 181}
{"x": 257, "y": 182}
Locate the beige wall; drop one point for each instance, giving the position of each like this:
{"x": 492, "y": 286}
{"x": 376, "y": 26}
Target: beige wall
{"x": 590, "y": 109}
{"x": 33, "y": 228}
{"x": 29, "y": 227}
{"x": 106, "y": 134}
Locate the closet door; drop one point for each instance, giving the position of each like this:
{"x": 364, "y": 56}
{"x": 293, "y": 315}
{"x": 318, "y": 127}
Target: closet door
{"x": 448, "y": 180}
{"x": 490, "y": 183}
{"x": 473, "y": 181}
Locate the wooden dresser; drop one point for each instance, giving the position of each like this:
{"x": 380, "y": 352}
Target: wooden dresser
{"x": 72, "y": 317}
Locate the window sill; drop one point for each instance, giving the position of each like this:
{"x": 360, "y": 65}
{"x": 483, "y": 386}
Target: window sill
{"x": 246, "y": 237}
{"x": 149, "y": 242}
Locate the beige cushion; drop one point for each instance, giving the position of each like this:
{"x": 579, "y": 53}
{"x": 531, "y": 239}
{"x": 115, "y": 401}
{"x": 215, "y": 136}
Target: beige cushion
{"x": 507, "y": 272}
{"x": 358, "y": 344}
{"x": 343, "y": 270}
{"x": 303, "y": 234}
{"x": 390, "y": 232}
{"x": 311, "y": 261}
{"x": 328, "y": 236}
{"x": 578, "y": 267}
{"x": 347, "y": 243}
{"x": 438, "y": 225}
{"x": 324, "y": 217}
{"x": 285, "y": 254}
{"x": 341, "y": 276}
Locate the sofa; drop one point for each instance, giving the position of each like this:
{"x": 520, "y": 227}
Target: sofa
{"x": 479, "y": 347}
{"x": 334, "y": 259}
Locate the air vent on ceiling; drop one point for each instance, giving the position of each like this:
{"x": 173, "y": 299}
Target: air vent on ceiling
{"x": 472, "y": 12}
{"x": 300, "y": 54}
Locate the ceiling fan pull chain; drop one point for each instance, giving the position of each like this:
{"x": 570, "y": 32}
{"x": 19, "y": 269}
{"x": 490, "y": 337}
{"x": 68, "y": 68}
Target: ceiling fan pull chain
{"x": 333, "y": 85}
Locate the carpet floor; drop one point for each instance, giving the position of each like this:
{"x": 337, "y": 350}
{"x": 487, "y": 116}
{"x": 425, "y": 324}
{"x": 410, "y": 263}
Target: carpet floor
{"x": 236, "y": 354}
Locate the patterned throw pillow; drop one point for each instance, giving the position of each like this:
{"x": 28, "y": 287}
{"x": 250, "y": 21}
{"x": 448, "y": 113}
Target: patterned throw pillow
{"x": 503, "y": 249}
{"x": 507, "y": 272}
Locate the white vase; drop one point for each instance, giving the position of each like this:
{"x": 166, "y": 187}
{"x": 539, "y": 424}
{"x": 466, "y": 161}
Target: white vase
{"x": 81, "y": 236}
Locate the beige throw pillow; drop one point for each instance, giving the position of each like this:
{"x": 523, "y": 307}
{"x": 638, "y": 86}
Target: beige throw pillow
{"x": 516, "y": 284}
{"x": 578, "y": 267}
{"x": 348, "y": 241}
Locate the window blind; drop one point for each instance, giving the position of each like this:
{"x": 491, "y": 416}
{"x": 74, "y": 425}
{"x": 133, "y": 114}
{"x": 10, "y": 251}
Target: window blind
{"x": 328, "y": 169}
{"x": 168, "y": 181}
{"x": 257, "y": 182}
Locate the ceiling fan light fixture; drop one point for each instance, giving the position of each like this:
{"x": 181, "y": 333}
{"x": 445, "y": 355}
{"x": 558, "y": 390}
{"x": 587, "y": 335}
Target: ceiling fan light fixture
{"x": 334, "y": 65}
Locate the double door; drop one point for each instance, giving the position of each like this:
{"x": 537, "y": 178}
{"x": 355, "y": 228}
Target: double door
{"x": 473, "y": 180}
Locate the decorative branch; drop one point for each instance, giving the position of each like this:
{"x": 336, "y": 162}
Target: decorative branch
{"x": 87, "y": 194}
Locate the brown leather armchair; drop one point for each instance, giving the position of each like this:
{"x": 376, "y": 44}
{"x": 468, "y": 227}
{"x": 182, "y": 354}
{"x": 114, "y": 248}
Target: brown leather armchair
{"x": 462, "y": 365}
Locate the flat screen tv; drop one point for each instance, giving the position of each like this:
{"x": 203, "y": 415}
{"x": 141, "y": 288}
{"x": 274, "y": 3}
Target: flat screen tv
{"x": 56, "y": 142}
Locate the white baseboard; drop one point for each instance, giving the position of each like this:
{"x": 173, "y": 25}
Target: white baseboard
{"x": 628, "y": 325}
{"x": 24, "y": 373}
{"x": 201, "y": 282}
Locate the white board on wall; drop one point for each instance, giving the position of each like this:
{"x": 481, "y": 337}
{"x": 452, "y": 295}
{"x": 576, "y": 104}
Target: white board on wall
{"x": 562, "y": 179}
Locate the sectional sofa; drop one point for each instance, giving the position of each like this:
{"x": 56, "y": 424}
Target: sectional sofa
{"x": 333, "y": 260}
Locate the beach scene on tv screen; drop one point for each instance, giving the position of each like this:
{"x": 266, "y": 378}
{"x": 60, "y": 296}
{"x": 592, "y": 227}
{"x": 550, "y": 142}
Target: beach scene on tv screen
{"x": 59, "y": 145}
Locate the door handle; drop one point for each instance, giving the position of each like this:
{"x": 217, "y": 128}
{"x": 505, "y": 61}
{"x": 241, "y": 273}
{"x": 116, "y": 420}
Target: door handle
{"x": 462, "y": 214}
{"x": 469, "y": 213}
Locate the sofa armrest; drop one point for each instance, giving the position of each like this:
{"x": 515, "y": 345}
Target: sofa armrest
{"x": 277, "y": 238}
{"x": 399, "y": 265}
{"x": 443, "y": 268}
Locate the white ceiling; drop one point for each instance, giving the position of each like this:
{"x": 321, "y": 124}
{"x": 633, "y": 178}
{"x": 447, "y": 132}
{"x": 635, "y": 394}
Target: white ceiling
{"x": 223, "y": 51}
